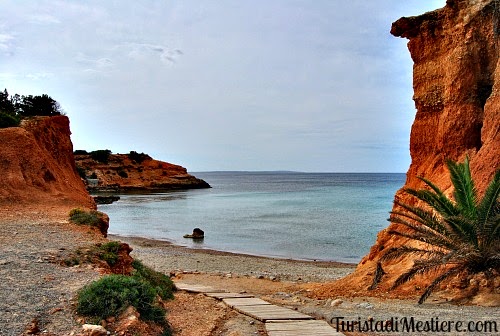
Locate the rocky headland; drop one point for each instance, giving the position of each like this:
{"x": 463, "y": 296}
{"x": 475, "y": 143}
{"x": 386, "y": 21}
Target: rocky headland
{"x": 457, "y": 96}
{"x": 133, "y": 172}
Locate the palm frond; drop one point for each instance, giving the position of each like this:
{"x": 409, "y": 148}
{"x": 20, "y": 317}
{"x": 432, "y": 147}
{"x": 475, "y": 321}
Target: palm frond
{"x": 464, "y": 190}
{"x": 423, "y": 266}
{"x": 457, "y": 235}
{"x": 379, "y": 273}
{"x": 436, "y": 242}
{"x": 397, "y": 252}
{"x": 490, "y": 206}
{"x": 466, "y": 227}
{"x": 435, "y": 198}
{"x": 422, "y": 216}
{"x": 436, "y": 282}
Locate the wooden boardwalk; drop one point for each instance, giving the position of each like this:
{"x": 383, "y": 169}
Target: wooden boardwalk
{"x": 279, "y": 321}
{"x": 301, "y": 328}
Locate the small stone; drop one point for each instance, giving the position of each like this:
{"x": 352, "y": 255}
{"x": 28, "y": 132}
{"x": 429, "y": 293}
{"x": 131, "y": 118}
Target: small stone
{"x": 32, "y": 328}
{"x": 229, "y": 275}
{"x": 272, "y": 278}
{"x": 94, "y": 330}
{"x": 336, "y": 303}
{"x": 55, "y": 310}
{"x": 365, "y": 305}
{"x": 252, "y": 322}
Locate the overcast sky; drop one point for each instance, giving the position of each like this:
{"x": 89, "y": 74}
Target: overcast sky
{"x": 222, "y": 85}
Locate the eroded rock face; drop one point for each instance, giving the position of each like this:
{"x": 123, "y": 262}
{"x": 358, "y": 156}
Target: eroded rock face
{"x": 456, "y": 82}
{"x": 122, "y": 172}
{"x": 37, "y": 165}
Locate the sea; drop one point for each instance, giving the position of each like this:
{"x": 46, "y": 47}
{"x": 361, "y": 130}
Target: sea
{"x": 304, "y": 216}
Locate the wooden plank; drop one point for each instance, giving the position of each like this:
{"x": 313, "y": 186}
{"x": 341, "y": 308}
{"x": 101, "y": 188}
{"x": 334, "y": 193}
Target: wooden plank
{"x": 196, "y": 288}
{"x": 271, "y": 312}
{"x": 228, "y": 295}
{"x": 318, "y": 328}
{"x": 231, "y": 302}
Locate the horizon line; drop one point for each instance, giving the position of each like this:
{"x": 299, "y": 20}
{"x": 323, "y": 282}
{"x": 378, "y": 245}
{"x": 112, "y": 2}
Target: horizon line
{"x": 290, "y": 172}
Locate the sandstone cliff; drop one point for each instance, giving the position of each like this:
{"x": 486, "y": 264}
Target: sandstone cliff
{"x": 456, "y": 82}
{"x": 136, "y": 172}
{"x": 37, "y": 165}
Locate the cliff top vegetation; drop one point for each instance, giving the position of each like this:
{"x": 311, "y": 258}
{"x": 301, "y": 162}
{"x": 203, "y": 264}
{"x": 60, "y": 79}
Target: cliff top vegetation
{"x": 14, "y": 108}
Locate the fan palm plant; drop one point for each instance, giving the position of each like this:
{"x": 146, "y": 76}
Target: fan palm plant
{"x": 455, "y": 235}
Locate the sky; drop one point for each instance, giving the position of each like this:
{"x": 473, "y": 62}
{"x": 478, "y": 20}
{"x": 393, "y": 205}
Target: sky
{"x": 301, "y": 85}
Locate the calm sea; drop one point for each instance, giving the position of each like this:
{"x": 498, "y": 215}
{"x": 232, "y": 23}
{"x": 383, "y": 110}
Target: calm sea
{"x": 323, "y": 216}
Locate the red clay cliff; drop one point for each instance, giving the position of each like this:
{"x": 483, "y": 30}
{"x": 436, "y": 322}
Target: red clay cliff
{"x": 37, "y": 165}
{"x": 456, "y": 82}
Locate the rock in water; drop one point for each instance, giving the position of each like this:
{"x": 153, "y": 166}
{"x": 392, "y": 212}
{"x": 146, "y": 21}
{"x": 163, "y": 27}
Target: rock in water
{"x": 197, "y": 234}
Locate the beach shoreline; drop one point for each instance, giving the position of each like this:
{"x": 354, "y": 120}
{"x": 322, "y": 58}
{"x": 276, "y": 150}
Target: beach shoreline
{"x": 213, "y": 251}
{"x": 175, "y": 259}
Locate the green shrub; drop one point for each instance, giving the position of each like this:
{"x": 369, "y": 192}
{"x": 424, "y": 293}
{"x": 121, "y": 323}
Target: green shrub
{"x": 163, "y": 285}
{"x": 83, "y": 217}
{"x": 112, "y": 294}
{"x": 80, "y": 152}
{"x": 138, "y": 157}
{"x": 7, "y": 120}
{"x": 109, "y": 252}
{"x": 101, "y": 155}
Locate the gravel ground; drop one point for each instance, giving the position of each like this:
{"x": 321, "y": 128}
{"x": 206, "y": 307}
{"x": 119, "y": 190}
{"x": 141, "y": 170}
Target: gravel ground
{"x": 174, "y": 259}
{"x": 34, "y": 286}
{"x": 259, "y": 276}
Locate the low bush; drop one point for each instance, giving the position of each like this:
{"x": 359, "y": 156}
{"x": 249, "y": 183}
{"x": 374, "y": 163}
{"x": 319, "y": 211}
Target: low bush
{"x": 7, "y": 120}
{"x": 112, "y": 294}
{"x": 101, "y": 155}
{"x": 138, "y": 157}
{"x": 83, "y": 217}
{"x": 109, "y": 252}
{"x": 163, "y": 285}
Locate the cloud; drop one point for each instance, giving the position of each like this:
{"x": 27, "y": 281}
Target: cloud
{"x": 139, "y": 51}
{"x": 5, "y": 43}
{"x": 39, "y": 75}
{"x": 44, "y": 19}
{"x": 95, "y": 66}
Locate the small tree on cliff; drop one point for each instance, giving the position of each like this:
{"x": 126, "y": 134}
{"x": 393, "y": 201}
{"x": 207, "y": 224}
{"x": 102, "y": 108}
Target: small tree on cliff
{"x": 8, "y": 114}
{"x": 459, "y": 235}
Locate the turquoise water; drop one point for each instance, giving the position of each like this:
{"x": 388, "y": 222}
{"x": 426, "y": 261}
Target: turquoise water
{"x": 292, "y": 215}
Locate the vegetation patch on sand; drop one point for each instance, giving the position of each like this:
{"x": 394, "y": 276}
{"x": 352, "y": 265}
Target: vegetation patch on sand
{"x": 112, "y": 295}
{"x": 91, "y": 218}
